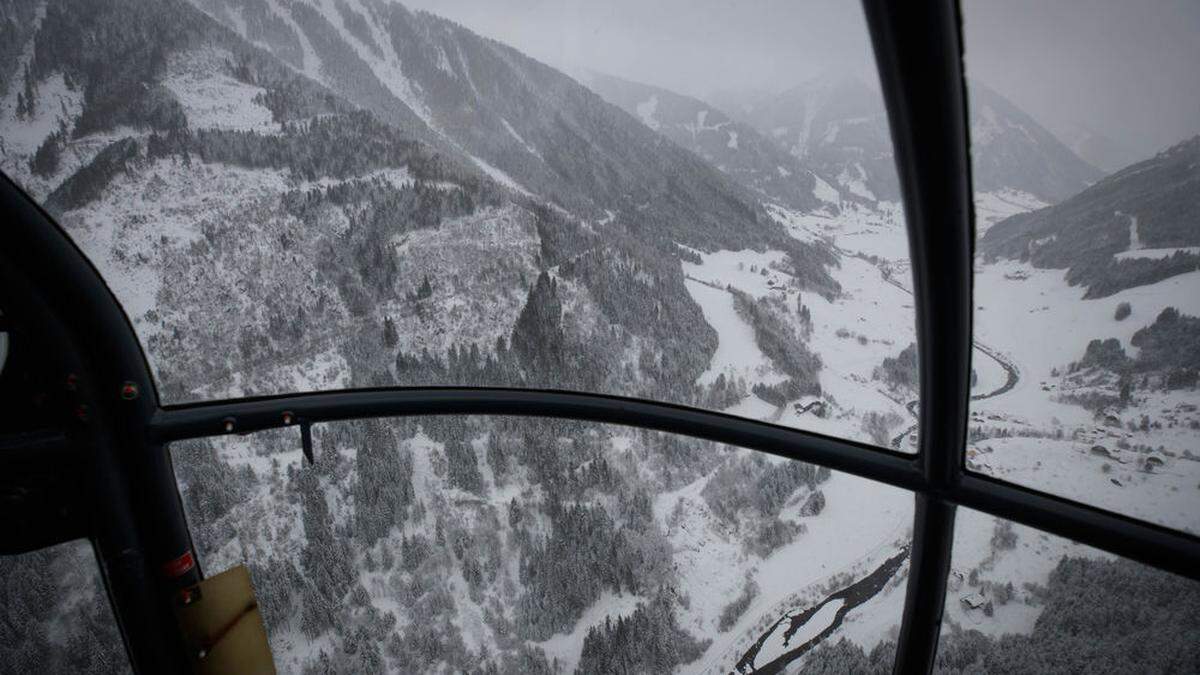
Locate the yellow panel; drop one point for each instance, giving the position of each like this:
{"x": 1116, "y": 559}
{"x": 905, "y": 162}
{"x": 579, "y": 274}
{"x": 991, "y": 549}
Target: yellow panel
{"x": 223, "y": 627}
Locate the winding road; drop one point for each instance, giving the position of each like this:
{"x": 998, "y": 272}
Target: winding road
{"x": 864, "y": 589}
{"x": 1012, "y": 374}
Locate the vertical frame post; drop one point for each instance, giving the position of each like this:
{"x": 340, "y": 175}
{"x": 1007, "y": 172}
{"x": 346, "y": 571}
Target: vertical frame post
{"x": 919, "y": 56}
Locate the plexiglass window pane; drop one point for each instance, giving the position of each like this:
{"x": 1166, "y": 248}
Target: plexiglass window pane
{"x": 523, "y": 545}
{"x": 321, "y": 194}
{"x": 1023, "y": 601}
{"x": 54, "y": 614}
{"x": 1086, "y": 288}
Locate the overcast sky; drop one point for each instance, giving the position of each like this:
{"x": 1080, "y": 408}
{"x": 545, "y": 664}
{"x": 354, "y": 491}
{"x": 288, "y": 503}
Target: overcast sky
{"x": 1127, "y": 69}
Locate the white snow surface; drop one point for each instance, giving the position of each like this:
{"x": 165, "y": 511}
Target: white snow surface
{"x": 212, "y": 99}
{"x": 863, "y": 524}
{"x": 737, "y": 355}
{"x": 777, "y": 645}
{"x": 646, "y": 110}
{"x": 825, "y": 192}
{"x": 1034, "y": 318}
{"x": 996, "y": 205}
{"x": 1156, "y": 253}
{"x": 500, "y": 176}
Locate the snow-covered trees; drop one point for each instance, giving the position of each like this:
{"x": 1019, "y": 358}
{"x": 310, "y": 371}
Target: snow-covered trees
{"x": 1099, "y": 615}
{"x": 900, "y": 372}
{"x": 326, "y": 560}
{"x": 751, "y": 491}
{"x": 383, "y": 488}
{"x": 647, "y": 641}
{"x": 779, "y": 341}
{"x": 878, "y": 426}
{"x": 735, "y": 609}
{"x": 538, "y": 339}
{"x": 586, "y": 553}
{"x": 54, "y": 613}
{"x": 463, "y": 466}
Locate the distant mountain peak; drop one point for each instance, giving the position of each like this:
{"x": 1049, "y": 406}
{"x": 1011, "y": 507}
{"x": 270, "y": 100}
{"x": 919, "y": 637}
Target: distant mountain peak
{"x": 1009, "y": 149}
{"x": 735, "y": 148}
{"x": 837, "y": 122}
{"x": 1136, "y": 226}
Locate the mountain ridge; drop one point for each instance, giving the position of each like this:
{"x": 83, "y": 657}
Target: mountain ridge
{"x": 732, "y": 146}
{"x": 839, "y": 124}
{"x": 1133, "y": 227}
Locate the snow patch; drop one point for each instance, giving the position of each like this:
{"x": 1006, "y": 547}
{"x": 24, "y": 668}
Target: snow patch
{"x": 211, "y": 98}
{"x": 646, "y": 110}
{"x": 500, "y": 177}
{"x": 778, "y": 644}
{"x": 825, "y": 192}
{"x": 1156, "y": 253}
{"x": 520, "y": 139}
{"x": 55, "y": 106}
{"x": 993, "y": 206}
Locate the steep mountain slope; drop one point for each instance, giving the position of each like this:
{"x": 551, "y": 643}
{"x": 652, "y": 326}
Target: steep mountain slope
{"x": 839, "y": 125}
{"x": 1101, "y": 151}
{"x": 525, "y": 124}
{"x": 1009, "y": 149}
{"x": 285, "y": 213}
{"x": 1137, "y": 226}
{"x": 740, "y": 102}
{"x": 133, "y": 101}
{"x": 734, "y": 147}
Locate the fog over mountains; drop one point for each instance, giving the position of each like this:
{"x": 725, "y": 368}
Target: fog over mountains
{"x": 838, "y": 122}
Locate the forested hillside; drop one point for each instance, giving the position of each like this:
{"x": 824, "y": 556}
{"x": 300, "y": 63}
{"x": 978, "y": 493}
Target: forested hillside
{"x": 1099, "y": 616}
{"x": 1135, "y": 227}
{"x": 734, "y": 147}
{"x": 278, "y": 211}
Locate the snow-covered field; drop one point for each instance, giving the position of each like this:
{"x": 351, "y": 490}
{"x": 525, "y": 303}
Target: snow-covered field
{"x": 994, "y": 206}
{"x": 713, "y": 567}
{"x": 1042, "y": 324}
{"x": 216, "y": 101}
{"x": 1031, "y": 561}
{"x": 737, "y": 355}
{"x": 1028, "y": 318}
{"x": 852, "y": 334}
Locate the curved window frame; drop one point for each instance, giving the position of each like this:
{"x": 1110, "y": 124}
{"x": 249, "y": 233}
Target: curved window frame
{"x": 139, "y": 530}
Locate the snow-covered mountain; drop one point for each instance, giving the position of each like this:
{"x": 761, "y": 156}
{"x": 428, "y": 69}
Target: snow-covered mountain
{"x": 1010, "y": 150}
{"x": 279, "y": 211}
{"x": 1136, "y": 226}
{"x": 1101, "y": 151}
{"x": 733, "y": 147}
{"x": 340, "y": 111}
{"x": 525, "y": 124}
{"x": 839, "y": 125}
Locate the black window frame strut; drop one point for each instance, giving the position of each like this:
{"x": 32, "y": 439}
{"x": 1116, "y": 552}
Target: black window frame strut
{"x": 141, "y": 526}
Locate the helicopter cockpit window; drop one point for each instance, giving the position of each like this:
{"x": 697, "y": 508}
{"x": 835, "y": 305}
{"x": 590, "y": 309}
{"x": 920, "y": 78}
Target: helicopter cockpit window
{"x": 328, "y": 195}
{"x": 680, "y": 202}
{"x": 465, "y": 542}
{"x": 1087, "y": 317}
